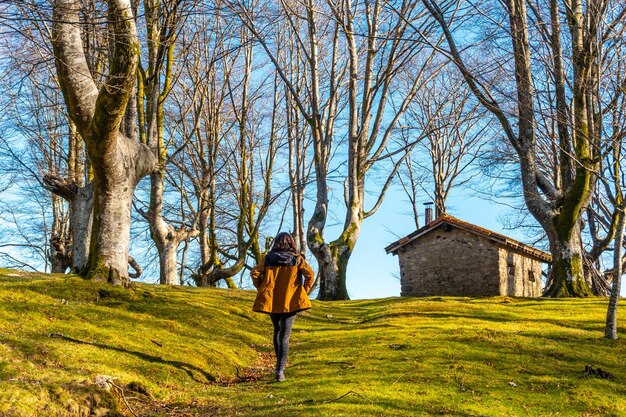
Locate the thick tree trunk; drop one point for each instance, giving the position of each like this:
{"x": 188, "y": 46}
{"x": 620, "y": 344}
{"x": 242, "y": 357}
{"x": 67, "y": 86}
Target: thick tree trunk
{"x": 332, "y": 258}
{"x": 108, "y": 254}
{"x": 115, "y": 179}
{"x": 610, "y": 331}
{"x": 332, "y": 262}
{"x": 57, "y": 264}
{"x": 59, "y": 257}
{"x": 81, "y": 206}
{"x": 567, "y": 278}
{"x": 114, "y": 182}
{"x": 168, "y": 267}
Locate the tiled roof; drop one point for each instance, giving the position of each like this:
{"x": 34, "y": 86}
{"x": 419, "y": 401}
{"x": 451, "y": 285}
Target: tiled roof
{"x": 472, "y": 228}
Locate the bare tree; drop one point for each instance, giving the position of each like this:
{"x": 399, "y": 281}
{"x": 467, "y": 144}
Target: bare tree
{"x": 163, "y": 21}
{"x": 349, "y": 80}
{"x": 232, "y": 145}
{"x": 293, "y": 60}
{"x": 610, "y": 211}
{"x": 617, "y": 199}
{"x": 56, "y": 158}
{"x": 457, "y": 130}
{"x": 117, "y": 162}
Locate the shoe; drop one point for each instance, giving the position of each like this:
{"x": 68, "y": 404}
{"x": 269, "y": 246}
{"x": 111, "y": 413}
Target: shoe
{"x": 280, "y": 377}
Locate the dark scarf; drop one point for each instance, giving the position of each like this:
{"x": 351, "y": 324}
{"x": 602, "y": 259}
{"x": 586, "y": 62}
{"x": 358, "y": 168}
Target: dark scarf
{"x": 281, "y": 259}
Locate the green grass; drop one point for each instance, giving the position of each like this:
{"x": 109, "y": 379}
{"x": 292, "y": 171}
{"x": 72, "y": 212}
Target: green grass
{"x": 388, "y": 357}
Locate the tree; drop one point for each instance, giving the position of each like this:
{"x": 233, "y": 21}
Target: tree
{"x": 612, "y": 183}
{"x": 556, "y": 198}
{"x": 164, "y": 20}
{"x": 118, "y": 163}
{"x": 350, "y": 85}
{"x": 51, "y": 146}
{"x": 232, "y": 144}
{"x": 456, "y": 126}
{"x": 617, "y": 198}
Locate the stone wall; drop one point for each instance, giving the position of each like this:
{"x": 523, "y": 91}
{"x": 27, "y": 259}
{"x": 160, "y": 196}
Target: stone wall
{"x": 520, "y": 275}
{"x": 454, "y": 262}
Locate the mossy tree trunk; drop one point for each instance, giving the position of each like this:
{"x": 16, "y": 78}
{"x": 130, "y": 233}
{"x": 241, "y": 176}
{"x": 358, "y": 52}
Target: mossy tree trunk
{"x": 566, "y": 275}
{"x": 117, "y": 162}
{"x": 332, "y": 260}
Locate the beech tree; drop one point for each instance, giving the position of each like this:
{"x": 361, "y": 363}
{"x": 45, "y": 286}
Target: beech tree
{"x": 572, "y": 91}
{"x": 352, "y": 79}
{"x": 118, "y": 163}
{"x": 457, "y": 132}
{"x": 614, "y": 188}
{"x": 232, "y": 144}
{"x": 292, "y": 59}
{"x": 609, "y": 205}
{"x": 163, "y": 20}
{"x": 35, "y": 112}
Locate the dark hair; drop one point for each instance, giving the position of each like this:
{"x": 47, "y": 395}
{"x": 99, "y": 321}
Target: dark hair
{"x": 284, "y": 242}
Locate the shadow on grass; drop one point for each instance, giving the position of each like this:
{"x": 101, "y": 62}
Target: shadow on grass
{"x": 478, "y": 316}
{"x": 359, "y": 405}
{"x": 154, "y": 359}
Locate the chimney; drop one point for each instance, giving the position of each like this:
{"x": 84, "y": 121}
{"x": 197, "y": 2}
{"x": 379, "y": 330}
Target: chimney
{"x": 428, "y": 213}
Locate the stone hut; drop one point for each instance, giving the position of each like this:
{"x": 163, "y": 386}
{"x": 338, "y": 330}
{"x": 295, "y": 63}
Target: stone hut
{"x": 449, "y": 256}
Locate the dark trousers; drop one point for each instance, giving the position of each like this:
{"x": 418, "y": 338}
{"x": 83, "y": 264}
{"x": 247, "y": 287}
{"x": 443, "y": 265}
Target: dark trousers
{"x": 282, "y": 330}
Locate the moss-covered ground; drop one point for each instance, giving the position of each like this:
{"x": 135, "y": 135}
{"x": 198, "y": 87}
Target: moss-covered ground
{"x": 203, "y": 352}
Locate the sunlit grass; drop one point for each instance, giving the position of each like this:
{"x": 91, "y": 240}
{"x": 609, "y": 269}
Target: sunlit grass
{"x": 388, "y": 357}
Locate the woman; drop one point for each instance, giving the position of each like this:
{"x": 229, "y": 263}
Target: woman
{"x": 282, "y": 292}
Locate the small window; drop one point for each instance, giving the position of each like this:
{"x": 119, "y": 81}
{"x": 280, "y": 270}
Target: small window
{"x": 531, "y": 276}
{"x": 511, "y": 269}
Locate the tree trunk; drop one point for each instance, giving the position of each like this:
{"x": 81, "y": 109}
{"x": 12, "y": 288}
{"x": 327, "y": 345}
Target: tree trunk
{"x": 57, "y": 263}
{"x": 168, "y": 268}
{"x": 59, "y": 257}
{"x": 129, "y": 127}
{"x": 108, "y": 254}
{"x": 567, "y": 278}
{"x": 610, "y": 331}
{"x": 81, "y": 220}
{"x": 114, "y": 185}
{"x": 440, "y": 200}
{"x": 81, "y": 217}
{"x": 332, "y": 260}
{"x": 166, "y": 238}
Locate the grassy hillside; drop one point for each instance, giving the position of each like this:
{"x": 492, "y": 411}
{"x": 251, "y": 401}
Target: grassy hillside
{"x": 176, "y": 351}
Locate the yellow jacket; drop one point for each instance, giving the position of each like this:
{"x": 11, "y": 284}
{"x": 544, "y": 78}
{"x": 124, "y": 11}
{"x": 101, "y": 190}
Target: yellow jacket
{"x": 283, "y": 280}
